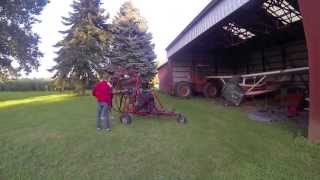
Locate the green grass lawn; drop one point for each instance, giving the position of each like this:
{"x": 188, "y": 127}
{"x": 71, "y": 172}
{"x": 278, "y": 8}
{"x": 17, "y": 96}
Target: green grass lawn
{"x": 44, "y": 136}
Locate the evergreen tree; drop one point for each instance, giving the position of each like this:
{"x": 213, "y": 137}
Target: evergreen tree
{"x": 131, "y": 45}
{"x": 17, "y": 41}
{"x": 85, "y": 45}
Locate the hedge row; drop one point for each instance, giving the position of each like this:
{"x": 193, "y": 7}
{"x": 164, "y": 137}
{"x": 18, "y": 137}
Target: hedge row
{"x": 27, "y": 85}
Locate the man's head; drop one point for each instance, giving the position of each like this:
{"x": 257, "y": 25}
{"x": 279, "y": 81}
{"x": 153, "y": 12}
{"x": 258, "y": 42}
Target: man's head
{"x": 105, "y": 76}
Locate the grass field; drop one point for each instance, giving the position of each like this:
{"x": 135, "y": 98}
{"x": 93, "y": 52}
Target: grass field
{"x": 45, "y": 136}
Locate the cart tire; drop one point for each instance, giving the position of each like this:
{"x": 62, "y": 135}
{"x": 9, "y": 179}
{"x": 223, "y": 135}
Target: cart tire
{"x": 181, "y": 119}
{"x": 210, "y": 90}
{"x": 126, "y": 118}
{"x": 183, "y": 89}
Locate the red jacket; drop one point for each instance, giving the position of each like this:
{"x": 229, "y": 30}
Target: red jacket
{"x": 103, "y": 92}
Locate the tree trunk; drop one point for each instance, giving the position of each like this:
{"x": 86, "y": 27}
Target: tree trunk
{"x": 83, "y": 84}
{"x": 62, "y": 86}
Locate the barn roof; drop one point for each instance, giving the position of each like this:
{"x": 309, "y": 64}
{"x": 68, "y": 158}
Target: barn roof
{"x": 163, "y": 65}
{"x": 213, "y": 13}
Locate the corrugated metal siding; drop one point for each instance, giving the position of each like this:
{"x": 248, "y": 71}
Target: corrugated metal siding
{"x": 295, "y": 55}
{"x": 182, "y": 71}
{"x": 212, "y": 17}
{"x": 164, "y": 78}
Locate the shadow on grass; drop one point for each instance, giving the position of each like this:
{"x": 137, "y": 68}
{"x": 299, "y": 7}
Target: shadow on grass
{"x": 37, "y": 99}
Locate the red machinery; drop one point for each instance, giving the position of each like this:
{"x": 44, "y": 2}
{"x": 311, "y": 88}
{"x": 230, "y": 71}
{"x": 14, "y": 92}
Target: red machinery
{"x": 135, "y": 97}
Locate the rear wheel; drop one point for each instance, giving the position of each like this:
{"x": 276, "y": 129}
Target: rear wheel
{"x": 183, "y": 89}
{"x": 210, "y": 90}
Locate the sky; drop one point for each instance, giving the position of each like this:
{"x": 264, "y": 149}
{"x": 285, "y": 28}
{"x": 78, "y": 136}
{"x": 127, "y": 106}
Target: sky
{"x": 166, "y": 19}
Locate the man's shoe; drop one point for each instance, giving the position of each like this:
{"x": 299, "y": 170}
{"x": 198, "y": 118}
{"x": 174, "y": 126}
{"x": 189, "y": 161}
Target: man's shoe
{"x": 98, "y": 129}
{"x": 108, "y": 130}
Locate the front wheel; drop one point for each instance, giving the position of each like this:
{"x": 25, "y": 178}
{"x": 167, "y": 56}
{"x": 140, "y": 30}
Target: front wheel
{"x": 126, "y": 118}
{"x": 181, "y": 119}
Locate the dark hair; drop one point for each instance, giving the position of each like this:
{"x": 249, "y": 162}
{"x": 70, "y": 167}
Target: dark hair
{"x": 105, "y": 76}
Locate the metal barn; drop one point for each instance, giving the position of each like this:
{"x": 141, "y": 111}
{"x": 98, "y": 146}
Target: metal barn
{"x": 232, "y": 37}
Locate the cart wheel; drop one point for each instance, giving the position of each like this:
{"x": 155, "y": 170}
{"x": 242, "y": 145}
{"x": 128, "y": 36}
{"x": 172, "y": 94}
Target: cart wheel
{"x": 126, "y": 118}
{"x": 181, "y": 119}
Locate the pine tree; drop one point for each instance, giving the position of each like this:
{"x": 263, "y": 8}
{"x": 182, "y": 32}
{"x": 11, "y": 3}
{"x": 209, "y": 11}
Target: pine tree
{"x": 132, "y": 43}
{"x": 84, "y": 49}
{"x": 17, "y": 41}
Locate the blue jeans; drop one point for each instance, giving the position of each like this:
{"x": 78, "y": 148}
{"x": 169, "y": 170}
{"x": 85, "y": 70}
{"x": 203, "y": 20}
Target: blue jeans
{"x": 102, "y": 114}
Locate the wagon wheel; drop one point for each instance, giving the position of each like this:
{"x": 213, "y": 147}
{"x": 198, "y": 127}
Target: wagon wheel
{"x": 181, "y": 119}
{"x": 126, "y": 118}
{"x": 183, "y": 89}
{"x": 210, "y": 90}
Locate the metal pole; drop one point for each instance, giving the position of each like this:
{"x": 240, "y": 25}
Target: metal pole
{"x": 310, "y": 12}
{"x": 278, "y": 72}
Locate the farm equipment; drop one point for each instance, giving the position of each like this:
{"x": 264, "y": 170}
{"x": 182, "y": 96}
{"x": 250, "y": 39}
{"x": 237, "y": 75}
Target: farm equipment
{"x": 133, "y": 96}
{"x": 188, "y": 80}
{"x": 250, "y": 85}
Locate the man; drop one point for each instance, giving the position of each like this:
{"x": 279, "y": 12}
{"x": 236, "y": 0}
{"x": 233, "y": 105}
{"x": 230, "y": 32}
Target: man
{"x": 103, "y": 93}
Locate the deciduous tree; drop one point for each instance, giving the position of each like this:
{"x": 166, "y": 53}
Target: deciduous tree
{"x": 17, "y": 41}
